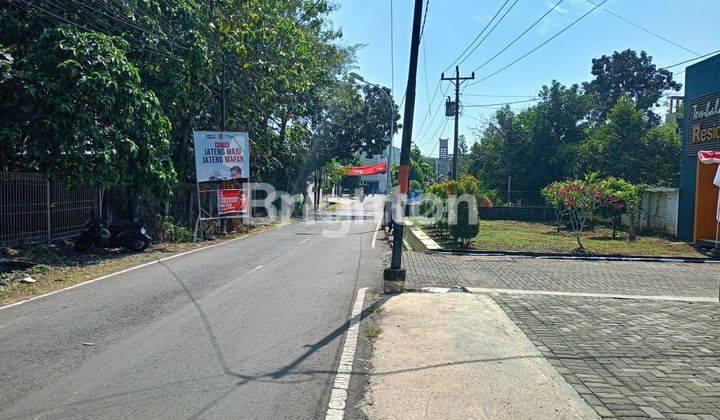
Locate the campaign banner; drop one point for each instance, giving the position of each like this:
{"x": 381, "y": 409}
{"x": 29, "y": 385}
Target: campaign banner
{"x": 221, "y": 155}
{"x": 231, "y": 201}
{"x": 375, "y": 168}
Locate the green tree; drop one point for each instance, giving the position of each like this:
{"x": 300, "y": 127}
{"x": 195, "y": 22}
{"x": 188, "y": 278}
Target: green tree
{"x": 282, "y": 62}
{"x": 628, "y": 74}
{"x": 500, "y": 157}
{"x": 85, "y": 115}
{"x": 421, "y": 170}
{"x": 625, "y": 146}
{"x": 525, "y": 150}
{"x": 333, "y": 173}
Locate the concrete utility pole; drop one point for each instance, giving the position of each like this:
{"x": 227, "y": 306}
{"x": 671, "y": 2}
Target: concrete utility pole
{"x": 457, "y": 80}
{"x": 395, "y": 275}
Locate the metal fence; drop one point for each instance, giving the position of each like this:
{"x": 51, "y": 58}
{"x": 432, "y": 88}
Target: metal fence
{"x": 35, "y": 209}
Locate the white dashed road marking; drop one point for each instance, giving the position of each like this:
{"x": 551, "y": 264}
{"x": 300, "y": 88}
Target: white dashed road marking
{"x": 339, "y": 393}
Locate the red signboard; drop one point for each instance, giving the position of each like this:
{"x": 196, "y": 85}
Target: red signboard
{"x": 231, "y": 201}
{"x": 375, "y": 168}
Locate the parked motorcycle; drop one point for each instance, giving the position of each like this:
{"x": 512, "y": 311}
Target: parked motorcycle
{"x": 98, "y": 232}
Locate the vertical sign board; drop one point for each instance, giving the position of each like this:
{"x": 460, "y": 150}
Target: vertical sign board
{"x": 222, "y": 163}
{"x": 221, "y": 155}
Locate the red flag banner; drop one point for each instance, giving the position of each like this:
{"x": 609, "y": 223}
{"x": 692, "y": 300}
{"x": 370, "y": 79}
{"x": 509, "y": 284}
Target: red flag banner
{"x": 231, "y": 201}
{"x": 709, "y": 156}
{"x": 375, "y": 168}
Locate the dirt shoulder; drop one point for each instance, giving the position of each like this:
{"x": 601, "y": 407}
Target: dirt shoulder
{"x": 57, "y": 266}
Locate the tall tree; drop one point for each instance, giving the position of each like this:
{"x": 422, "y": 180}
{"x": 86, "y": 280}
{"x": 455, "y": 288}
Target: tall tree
{"x": 624, "y": 146}
{"x": 525, "y": 151}
{"x": 83, "y": 115}
{"x": 628, "y": 74}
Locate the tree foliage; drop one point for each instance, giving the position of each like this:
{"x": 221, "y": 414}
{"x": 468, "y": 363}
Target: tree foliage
{"x": 85, "y": 115}
{"x": 625, "y": 146}
{"x": 576, "y": 200}
{"x": 606, "y": 126}
{"x": 160, "y": 64}
{"x": 628, "y": 74}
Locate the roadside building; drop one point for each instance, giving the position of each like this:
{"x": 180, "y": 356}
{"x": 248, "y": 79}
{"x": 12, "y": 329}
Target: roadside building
{"x": 378, "y": 182}
{"x": 701, "y": 131}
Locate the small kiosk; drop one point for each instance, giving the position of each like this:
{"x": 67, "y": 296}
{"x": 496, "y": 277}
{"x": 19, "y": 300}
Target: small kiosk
{"x": 698, "y": 207}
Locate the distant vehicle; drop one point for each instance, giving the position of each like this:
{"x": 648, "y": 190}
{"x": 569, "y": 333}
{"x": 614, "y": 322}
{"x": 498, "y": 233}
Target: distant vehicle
{"x": 96, "y": 231}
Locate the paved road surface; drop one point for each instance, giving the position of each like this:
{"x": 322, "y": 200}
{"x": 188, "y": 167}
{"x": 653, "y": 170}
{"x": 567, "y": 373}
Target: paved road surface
{"x": 252, "y": 328}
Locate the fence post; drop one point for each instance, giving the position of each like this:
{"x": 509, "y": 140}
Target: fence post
{"x": 47, "y": 209}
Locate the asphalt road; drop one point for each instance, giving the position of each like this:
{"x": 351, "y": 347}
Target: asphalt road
{"x": 248, "y": 329}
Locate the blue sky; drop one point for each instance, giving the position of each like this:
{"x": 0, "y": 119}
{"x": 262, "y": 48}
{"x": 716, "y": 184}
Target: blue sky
{"x": 452, "y": 24}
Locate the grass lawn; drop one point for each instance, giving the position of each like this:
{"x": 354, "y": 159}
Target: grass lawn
{"x": 507, "y": 235}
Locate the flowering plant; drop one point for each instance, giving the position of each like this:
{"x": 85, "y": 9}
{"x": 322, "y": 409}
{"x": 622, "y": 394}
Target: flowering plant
{"x": 577, "y": 200}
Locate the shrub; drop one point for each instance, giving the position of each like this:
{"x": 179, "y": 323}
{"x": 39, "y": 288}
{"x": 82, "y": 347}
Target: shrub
{"x": 463, "y": 223}
{"x": 621, "y": 197}
{"x": 428, "y": 209}
{"x": 165, "y": 229}
{"x": 578, "y": 200}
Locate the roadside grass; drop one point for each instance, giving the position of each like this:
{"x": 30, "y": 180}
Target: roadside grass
{"x": 508, "y": 235}
{"x": 372, "y": 331}
{"x": 60, "y": 267}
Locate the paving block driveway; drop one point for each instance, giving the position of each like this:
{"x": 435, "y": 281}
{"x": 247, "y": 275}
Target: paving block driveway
{"x": 612, "y": 277}
{"x": 625, "y": 357}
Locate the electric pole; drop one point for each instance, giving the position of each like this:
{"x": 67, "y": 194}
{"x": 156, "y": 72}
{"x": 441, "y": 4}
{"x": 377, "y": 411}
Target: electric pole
{"x": 395, "y": 275}
{"x": 457, "y": 80}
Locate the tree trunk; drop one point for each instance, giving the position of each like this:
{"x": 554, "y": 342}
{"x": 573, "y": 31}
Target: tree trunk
{"x": 558, "y": 218}
{"x": 615, "y": 225}
{"x": 631, "y": 230}
{"x": 508, "y": 190}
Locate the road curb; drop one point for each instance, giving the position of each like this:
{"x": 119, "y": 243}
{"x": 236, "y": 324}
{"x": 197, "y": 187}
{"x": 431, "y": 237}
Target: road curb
{"x": 559, "y": 256}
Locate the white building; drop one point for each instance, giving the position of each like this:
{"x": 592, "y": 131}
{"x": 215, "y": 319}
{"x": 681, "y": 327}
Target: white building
{"x": 378, "y": 182}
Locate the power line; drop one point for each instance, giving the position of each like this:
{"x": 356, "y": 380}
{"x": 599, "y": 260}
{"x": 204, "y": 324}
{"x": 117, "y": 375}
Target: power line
{"x": 687, "y": 61}
{"x": 541, "y": 44}
{"x": 422, "y": 138}
{"x": 519, "y": 36}
{"x": 309, "y": 10}
{"x": 501, "y": 103}
{"x": 643, "y": 28}
{"x": 437, "y": 143}
{"x": 489, "y": 32}
{"x": 440, "y": 129}
{"x": 427, "y": 90}
{"x": 477, "y": 37}
{"x": 422, "y": 29}
{"x": 434, "y": 116}
{"x": 432, "y": 102}
{"x": 88, "y": 27}
{"x": 497, "y": 96}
